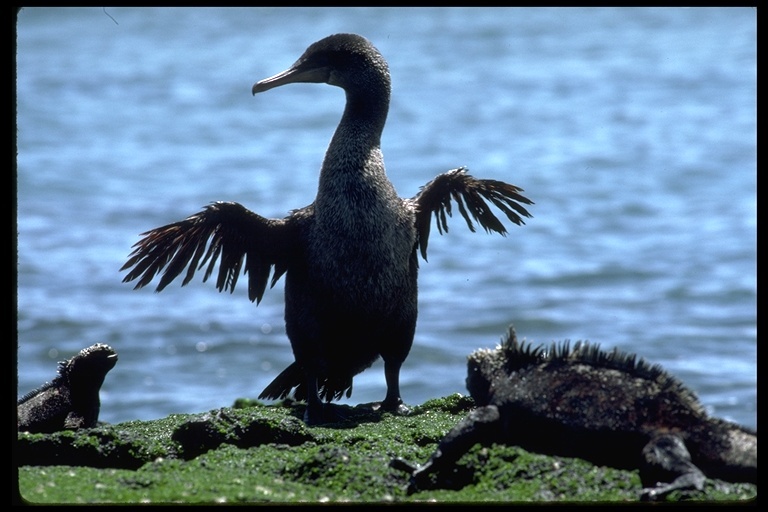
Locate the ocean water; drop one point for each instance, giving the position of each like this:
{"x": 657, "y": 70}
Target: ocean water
{"x": 632, "y": 129}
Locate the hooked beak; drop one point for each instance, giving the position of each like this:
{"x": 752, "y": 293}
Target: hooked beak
{"x": 295, "y": 74}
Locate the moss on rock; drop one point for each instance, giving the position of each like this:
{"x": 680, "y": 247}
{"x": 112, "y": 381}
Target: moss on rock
{"x": 253, "y": 453}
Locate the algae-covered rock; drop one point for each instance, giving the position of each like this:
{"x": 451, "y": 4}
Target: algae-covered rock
{"x": 237, "y": 427}
{"x": 131, "y": 445}
{"x": 254, "y": 453}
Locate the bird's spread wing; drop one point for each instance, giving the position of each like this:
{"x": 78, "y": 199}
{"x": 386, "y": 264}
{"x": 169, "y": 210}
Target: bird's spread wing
{"x": 470, "y": 195}
{"x": 225, "y": 231}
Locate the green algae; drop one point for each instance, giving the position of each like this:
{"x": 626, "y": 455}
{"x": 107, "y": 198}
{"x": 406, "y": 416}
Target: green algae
{"x": 256, "y": 453}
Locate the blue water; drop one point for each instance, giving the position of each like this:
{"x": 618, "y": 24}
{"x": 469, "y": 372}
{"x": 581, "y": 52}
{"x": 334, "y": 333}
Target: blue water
{"x": 633, "y": 130}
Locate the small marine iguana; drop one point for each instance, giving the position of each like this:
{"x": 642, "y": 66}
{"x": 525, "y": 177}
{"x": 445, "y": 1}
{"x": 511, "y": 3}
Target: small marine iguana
{"x": 71, "y": 400}
{"x": 606, "y": 407}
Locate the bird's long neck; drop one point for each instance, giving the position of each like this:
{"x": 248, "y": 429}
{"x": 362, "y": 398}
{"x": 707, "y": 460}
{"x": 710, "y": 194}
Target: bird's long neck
{"x": 364, "y": 115}
{"x": 354, "y": 158}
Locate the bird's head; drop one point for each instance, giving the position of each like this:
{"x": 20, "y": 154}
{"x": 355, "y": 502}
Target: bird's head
{"x": 344, "y": 60}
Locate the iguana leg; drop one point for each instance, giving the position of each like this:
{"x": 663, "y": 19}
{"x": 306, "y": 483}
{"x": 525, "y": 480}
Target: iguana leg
{"x": 479, "y": 426}
{"x": 667, "y": 458}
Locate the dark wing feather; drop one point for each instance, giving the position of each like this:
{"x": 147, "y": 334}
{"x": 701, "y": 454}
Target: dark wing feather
{"x": 227, "y": 233}
{"x": 470, "y": 195}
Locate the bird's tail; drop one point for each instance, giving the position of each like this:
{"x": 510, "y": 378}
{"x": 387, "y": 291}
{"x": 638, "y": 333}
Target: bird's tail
{"x": 281, "y": 386}
{"x": 293, "y": 379}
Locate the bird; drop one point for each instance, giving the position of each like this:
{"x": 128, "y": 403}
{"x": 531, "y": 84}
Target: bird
{"x": 350, "y": 258}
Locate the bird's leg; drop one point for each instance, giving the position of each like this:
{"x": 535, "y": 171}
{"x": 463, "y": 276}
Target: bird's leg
{"x": 318, "y": 412}
{"x": 392, "y": 402}
{"x": 313, "y": 415}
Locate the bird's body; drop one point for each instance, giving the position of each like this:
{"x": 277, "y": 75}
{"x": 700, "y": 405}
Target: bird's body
{"x": 350, "y": 258}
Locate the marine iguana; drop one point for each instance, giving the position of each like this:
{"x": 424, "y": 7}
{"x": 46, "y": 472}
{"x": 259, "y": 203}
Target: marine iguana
{"x": 610, "y": 408}
{"x": 71, "y": 400}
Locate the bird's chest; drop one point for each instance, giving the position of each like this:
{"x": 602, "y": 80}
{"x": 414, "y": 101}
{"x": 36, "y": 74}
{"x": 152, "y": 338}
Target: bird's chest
{"x": 362, "y": 243}
{"x": 363, "y": 237}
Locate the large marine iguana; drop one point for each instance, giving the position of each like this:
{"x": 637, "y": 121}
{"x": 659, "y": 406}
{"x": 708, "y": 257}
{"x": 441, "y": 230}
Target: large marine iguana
{"x": 71, "y": 400}
{"x": 610, "y": 408}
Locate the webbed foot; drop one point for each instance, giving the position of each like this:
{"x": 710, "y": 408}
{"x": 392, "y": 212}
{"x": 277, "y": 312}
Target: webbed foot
{"x": 394, "y": 406}
{"x": 322, "y": 414}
